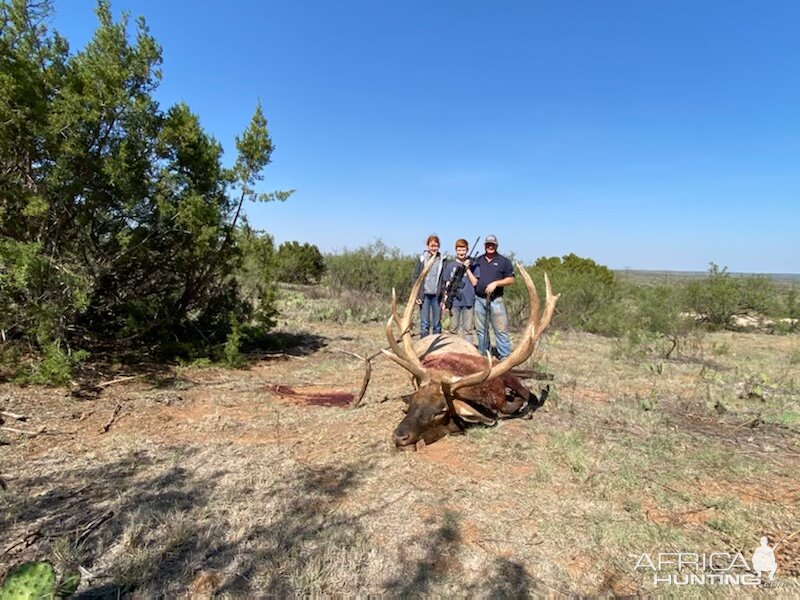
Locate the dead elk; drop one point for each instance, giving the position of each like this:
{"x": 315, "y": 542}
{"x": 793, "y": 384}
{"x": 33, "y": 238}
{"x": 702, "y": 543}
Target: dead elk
{"x": 455, "y": 384}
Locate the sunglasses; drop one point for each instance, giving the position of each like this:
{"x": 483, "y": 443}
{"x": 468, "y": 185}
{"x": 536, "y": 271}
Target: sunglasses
{"x": 490, "y": 245}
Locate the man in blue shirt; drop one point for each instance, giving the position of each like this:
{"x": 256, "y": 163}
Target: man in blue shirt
{"x": 490, "y": 273}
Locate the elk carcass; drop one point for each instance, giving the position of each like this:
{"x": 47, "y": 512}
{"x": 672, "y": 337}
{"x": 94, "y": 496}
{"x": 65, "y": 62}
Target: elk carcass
{"x": 457, "y": 386}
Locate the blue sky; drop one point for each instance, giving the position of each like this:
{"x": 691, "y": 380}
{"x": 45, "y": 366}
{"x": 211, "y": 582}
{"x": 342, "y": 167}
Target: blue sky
{"x": 646, "y": 134}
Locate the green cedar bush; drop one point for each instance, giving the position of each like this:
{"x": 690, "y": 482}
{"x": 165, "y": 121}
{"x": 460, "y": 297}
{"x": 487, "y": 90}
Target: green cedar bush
{"x": 118, "y": 223}
{"x": 299, "y": 263}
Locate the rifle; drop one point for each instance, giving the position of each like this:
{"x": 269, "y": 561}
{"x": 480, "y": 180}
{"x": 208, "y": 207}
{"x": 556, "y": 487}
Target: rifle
{"x": 486, "y": 318}
{"x": 457, "y": 280}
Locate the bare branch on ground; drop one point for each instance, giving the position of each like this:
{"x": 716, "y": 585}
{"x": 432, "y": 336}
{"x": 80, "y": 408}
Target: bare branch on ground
{"x": 113, "y": 419}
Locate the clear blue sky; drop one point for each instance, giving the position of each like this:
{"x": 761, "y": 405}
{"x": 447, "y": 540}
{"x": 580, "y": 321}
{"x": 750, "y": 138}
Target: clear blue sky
{"x": 641, "y": 133}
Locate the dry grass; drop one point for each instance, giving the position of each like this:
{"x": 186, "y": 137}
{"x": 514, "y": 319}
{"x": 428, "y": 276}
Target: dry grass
{"x": 218, "y": 486}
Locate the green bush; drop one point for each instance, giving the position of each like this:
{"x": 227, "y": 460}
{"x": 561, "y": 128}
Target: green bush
{"x": 758, "y": 294}
{"x": 55, "y": 366}
{"x": 576, "y": 265}
{"x": 299, "y": 263}
{"x": 589, "y": 295}
{"x": 656, "y": 320}
{"x": 256, "y": 278}
{"x": 231, "y": 351}
{"x": 715, "y": 299}
{"x": 374, "y": 268}
{"x": 720, "y": 296}
{"x": 791, "y": 309}
{"x": 118, "y": 221}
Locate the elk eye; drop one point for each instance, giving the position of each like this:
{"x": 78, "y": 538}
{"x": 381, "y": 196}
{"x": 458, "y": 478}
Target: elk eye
{"x": 441, "y": 415}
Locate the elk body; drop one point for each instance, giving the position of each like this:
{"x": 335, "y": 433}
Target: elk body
{"x": 455, "y": 384}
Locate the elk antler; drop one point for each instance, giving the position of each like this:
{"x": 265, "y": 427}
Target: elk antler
{"x": 537, "y": 323}
{"x": 404, "y": 355}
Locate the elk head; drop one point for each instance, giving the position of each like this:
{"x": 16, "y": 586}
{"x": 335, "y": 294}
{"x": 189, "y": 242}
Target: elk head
{"x": 454, "y": 388}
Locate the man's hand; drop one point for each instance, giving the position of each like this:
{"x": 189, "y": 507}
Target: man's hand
{"x": 491, "y": 288}
{"x": 419, "y": 301}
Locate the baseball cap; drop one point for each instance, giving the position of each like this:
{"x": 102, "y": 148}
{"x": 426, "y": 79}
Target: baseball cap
{"x": 490, "y": 239}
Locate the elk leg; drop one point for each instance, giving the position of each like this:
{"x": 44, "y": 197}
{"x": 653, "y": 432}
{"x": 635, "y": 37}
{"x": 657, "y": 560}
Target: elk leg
{"x": 534, "y": 403}
{"x": 513, "y": 402}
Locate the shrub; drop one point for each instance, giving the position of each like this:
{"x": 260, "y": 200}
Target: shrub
{"x": 791, "y": 309}
{"x": 589, "y": 295}
{"x": 231, "y": 351}
{"x": 118, "y": 221}
{"x": 55, "y": 367}
{"x": 657, "y": 320}
{"x": 715, "y": 299}
{"x": 578, "y": 266}
{"x": 758, "y": 293}
{"x": 374, "y": 268}
{"x": 256, "y": 277}
{"x": 299, "y": 263}
{"x": 719, "y": 297}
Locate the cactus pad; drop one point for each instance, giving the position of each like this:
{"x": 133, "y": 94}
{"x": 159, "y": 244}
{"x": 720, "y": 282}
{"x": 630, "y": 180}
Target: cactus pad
{"x": 29, "y": 581}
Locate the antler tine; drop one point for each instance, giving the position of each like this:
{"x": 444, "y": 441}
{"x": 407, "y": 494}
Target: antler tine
{"x": 533, "y": 330}
{"x": 549, "y": 305}
{"x": 420, "y": 373}
{"x": 406, "y": 357}
{"x": 405, "y": 323}
{"x": 398, "y": 354}
{"x": 395, "y": 316}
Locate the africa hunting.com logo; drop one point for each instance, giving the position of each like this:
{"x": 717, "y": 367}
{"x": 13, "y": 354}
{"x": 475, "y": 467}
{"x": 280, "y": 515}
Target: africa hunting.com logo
{"x": 714, "y": 568}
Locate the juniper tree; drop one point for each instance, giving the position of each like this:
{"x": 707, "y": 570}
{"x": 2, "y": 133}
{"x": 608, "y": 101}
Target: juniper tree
{"x": 117, "y": 218}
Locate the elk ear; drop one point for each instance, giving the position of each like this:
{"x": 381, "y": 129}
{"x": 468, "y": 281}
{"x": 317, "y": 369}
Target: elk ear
{"x": 471, "y": 415}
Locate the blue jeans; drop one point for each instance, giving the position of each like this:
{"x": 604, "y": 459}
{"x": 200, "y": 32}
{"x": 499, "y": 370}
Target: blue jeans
{"x": 499, "y": 322}
{"x": 431, "y": 315}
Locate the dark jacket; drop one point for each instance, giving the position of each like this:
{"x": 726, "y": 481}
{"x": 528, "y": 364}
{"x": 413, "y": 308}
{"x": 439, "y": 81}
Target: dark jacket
{"x": 464, "y": 297}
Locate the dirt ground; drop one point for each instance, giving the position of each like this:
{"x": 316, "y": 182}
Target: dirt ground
{"x": 262, "y": 481}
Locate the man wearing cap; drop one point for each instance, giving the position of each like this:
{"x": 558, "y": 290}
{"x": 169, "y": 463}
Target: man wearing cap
{"x": 490, "y": 273}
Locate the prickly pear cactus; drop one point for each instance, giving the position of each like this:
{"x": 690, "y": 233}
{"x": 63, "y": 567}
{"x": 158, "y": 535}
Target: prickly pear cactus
{"x": 29, "y": 581}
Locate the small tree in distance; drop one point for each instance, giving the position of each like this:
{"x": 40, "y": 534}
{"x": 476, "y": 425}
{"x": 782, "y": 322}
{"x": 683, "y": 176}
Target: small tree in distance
{"x": 299, "y": 263}
{"x": 589, "y": 294}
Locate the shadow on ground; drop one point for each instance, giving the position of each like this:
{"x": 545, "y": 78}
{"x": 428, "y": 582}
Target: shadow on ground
{"x": 284, "y": 342}
{"x": 500, "y": 578}
{"x": 154, "y": 525}
{"x": 279, "y": 345}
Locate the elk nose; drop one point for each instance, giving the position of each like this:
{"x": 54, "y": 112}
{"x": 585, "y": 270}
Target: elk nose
{"x": 401, "y": 439}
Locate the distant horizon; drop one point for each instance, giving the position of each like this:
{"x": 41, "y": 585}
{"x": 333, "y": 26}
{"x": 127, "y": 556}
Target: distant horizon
{"x": 651, "y": 135}
{"x": 527, "y": 260}
{"x": 410, "y": 255}
{"x": 788, "y": 276}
